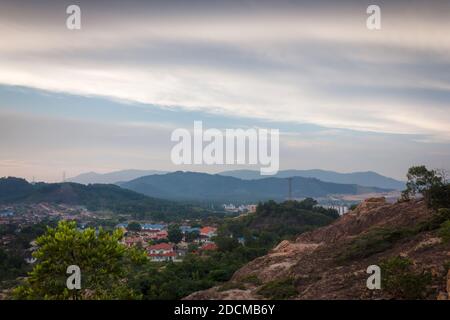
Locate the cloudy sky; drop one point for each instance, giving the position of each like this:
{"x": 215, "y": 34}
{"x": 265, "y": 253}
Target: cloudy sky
{"x": 108, "y": 96}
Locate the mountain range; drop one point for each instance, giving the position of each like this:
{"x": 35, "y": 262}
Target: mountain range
{"x": 369, "y": 178}
{"x": 194, "y": 186}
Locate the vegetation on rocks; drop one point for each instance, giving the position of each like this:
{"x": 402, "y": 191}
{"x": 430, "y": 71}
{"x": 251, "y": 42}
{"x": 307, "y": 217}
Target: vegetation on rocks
{"x": 279, "y": 289}
{"x": 399, "y": 279}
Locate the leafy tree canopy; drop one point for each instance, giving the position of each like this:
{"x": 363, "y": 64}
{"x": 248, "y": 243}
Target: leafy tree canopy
{"x": 420, "y": 180}
{"x": 134, "y": 226}
{"x": 104, "y": 264}
{"x": 174, "y": 234}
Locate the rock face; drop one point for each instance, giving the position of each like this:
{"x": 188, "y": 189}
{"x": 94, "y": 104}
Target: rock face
{"x": 312, "y": 259}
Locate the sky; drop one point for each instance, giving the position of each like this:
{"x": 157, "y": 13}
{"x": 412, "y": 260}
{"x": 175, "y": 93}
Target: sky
{"x": 108, "y": 96}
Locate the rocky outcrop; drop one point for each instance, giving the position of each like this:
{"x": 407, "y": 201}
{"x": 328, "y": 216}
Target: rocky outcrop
{"x": 313, "y": 264}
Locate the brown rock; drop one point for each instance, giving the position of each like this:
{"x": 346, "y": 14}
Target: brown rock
{"x": 311, "y": 258}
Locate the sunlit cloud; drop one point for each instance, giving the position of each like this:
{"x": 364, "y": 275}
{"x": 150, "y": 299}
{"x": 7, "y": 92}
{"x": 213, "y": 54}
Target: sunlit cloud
{"x": 284, "y": 63}
{"x": 277, "y": 65}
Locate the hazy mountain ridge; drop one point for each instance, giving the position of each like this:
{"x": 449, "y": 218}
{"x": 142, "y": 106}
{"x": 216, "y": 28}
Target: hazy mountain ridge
{"x": 213, "y": 187}
{"x": 368, "y": 178}
{"x": 112, "y": 177}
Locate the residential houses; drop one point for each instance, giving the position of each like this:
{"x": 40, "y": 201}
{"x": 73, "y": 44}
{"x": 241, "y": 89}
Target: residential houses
{"x": 162, "y": 252}
{"x": 206, "y": 234}
{"x": 208, "y": 247}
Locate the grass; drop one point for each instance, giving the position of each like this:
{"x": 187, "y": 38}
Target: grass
{"x": 279, "y": 289}
{"x": 252, "y": 279}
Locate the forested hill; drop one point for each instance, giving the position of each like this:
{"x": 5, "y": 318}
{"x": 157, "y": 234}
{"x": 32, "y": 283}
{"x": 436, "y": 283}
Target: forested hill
{"x": 94, "y": 197}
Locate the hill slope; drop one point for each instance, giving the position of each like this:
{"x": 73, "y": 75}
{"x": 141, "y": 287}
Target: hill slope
{"x": 94, "y": 197}
{"x": 331, "y": 262}
{"x": 369, "y": 178}
{"x": 201, "y": 186}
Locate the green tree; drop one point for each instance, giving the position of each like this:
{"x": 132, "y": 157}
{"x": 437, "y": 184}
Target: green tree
{"x": 134, "y": 226}
{"x": 225, "y": 243}
{"x": 439, "y": 197}
{"x": 420, "y": 181}
{"x": 174, "y": 234}
{"x": 191, "y": 236}
{"x": 192, "y": 247}
{"x": 105, "y": 265}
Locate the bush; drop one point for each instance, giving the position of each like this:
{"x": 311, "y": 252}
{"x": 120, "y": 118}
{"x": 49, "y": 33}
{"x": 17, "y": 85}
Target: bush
{"x": 447, "y": 266}
{"x": 439, "y": 197}
{"x": 374, "y": 241}
{"x": 134, "y": 226}
{"x": 252, "y": 279}
{"x": 398, "y": 278}
{"x": 444, "y": 231}
{"x": 279, "y": 289}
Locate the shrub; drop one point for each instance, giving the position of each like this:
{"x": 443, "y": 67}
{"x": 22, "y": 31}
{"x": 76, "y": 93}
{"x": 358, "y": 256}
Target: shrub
{"x": 231, "y": 285}
{"x": 252, "y": 279}
{"x": 374, "y": 241}
{"x": 447, "y": 266}
{"x": 444, "y": 231}
{"x": 399, "y": 279}
{"x": 439, "y": 197}
{"x": 279, "y": 289}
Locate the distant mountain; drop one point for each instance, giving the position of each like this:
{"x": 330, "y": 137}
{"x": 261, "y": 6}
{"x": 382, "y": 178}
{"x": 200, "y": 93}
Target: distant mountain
{"x": 369, "y": 178}
{"x": 112, "y": 177}
{"x": 208, "y": 187}
{"x": 94, "y": 197}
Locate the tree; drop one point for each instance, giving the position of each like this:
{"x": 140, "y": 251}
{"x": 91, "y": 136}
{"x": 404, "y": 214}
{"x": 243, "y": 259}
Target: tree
{"x": 420, "y": 181}
{"x": 191, "y": 236}
{"x": 103, "y": 261}
{"x": 134, "y": 226}
{"x": 225, "y": 243}
{"x": 308, "y": 203}
{"x": 439, "y": 197}
{"x": 192, "y": 247}
{"x": 174, "y": 234}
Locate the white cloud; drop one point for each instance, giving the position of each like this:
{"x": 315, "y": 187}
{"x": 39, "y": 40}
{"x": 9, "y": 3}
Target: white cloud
{"x": 325, "y": 69}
